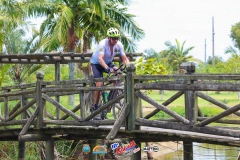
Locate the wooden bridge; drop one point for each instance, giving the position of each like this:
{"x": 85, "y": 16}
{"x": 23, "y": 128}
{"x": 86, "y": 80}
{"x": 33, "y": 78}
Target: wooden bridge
{"x": 29, "y": 112}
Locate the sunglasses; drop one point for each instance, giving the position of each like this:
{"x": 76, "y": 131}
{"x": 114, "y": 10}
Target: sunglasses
{"x": 114, "y": 38}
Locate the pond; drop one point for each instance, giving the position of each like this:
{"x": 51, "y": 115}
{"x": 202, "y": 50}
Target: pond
{"x": 203, "y": 151}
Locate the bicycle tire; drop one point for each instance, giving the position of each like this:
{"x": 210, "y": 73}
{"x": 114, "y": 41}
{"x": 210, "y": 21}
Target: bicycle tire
{"x": 89, "y": 101}
{"x": 116, "y": 107}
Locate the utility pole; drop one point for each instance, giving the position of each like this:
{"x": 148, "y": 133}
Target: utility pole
{"x": 213, "y": 57}
{"x": 205, "y": 52}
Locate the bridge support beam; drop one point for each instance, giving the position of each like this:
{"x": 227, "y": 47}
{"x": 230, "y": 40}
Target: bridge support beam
{"x": 191, "y": 112}
{"x": 130, "y": 121}
{"x": 49, "y": 150}
{"x": 39, "y": 103}
{"x": 188, "y": 150}
{"x": 21, "y": 150}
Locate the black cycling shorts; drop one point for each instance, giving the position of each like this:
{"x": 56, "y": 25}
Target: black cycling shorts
{"x": 98, "y": 70}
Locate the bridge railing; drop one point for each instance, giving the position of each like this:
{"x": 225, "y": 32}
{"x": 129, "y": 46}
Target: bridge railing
{"x": 190, "y": 86}
{"x": 35, "y": 104}
{"x": 24, "y": 106}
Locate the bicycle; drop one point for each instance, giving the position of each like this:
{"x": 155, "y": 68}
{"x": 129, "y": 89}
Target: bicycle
{"x": 108, "y": 96}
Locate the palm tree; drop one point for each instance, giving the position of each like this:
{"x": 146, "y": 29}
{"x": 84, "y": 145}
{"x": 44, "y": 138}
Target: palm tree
{"x": 11, "y": 19}
{"x": 68, "y": 22}
{"x": 151, "y": 53}
{"x": 233, "y": 51}
{"x": 14, "y": 44}
{"x": 177, "y": 54}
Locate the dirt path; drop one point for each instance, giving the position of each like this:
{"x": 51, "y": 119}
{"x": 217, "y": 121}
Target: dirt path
{"x": 164, "y": 148}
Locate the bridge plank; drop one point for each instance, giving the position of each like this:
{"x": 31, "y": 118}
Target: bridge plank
{"x": 146, "y": 134}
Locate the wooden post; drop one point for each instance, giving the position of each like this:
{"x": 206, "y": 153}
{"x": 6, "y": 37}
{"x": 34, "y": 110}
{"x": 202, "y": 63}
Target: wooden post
{"x": 6, "y": 113}
{"x": 21, "y": 148}
{"x": 49, "y": 150}
{"x": 82, "y": 107}
{"x": 39, "y": 103}
{"x": 191, "y": 113}
{"x": 134, "y": 103}
{"x": 92, "y": 143}
{"x": 138, "y": 114}
{"x": 187, "y": 150}
{"x": 22, "y": 103}
{"x": 138, "y": 107}
{"x": 57, "y": 78}
{"x": 130, "y": 120}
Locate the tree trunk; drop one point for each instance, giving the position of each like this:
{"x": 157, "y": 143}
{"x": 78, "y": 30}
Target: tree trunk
{"x": 86, "y": 70}
{"x": 71, "y": 45}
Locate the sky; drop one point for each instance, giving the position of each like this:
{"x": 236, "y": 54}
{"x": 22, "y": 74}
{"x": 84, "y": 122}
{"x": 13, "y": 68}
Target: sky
{"x": 187, "y": 20}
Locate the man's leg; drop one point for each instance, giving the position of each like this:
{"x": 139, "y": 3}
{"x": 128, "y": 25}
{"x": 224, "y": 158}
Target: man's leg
{"x": 97, "y": 93}
{"x": 97, "y": 72}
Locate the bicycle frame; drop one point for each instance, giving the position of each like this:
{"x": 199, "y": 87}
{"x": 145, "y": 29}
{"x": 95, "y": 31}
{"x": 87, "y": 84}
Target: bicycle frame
{"x": 103, "y": 100}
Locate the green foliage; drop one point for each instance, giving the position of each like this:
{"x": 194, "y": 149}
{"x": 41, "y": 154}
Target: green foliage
{"x": 149, "y": 66}
{"x": 3, "y": 69}
{"x": 220, "y": 67}
{"x": 206, "y": 111}
{"x": 178, "y": 109}
{"x": 232, "y": 65}
{"x": 235, "y": 35}
{"x": 49, "y": 73}
{"x": 177, "y": 54}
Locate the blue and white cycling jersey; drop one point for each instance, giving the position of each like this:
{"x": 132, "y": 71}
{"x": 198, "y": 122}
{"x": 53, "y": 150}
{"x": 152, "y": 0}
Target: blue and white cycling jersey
{"x": 104, "y": 48}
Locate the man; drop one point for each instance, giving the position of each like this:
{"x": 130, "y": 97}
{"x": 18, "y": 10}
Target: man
{"x": 101, "y": 60}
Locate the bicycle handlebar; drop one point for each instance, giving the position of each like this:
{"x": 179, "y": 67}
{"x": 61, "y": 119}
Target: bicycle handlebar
{"x": 120, "y": 70}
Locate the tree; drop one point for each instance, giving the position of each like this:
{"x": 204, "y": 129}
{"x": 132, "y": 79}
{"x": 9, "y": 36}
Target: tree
{"x": 11, "y": 17}
{"x": 149, "y": 66}
{"x": 15, "y": 44}
{"x": 233, "y": 51}
{"x": 70, "y": 22}
{"x": 177, "y": 54}
{"x": 12, "y": 27}
{"x": 219, "y": 66}
{"x": 160, "y": 58}
{"x": 235, "y": 35}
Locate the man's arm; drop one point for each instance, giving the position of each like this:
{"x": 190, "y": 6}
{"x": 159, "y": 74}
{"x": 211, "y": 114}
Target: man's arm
{"x": 125, "y": 59}
{"x": 101, "y": 61}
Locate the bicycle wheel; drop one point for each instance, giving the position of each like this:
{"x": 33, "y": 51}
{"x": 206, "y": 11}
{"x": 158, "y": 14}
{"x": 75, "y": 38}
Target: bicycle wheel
{"x": 116, "y": 107}
{"x": 89, "y": 101}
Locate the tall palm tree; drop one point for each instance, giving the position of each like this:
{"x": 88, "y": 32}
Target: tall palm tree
{"x": 177, "y": 54}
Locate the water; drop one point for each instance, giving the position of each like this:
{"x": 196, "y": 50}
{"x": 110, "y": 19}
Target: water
{"x": 203, "y": 151}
